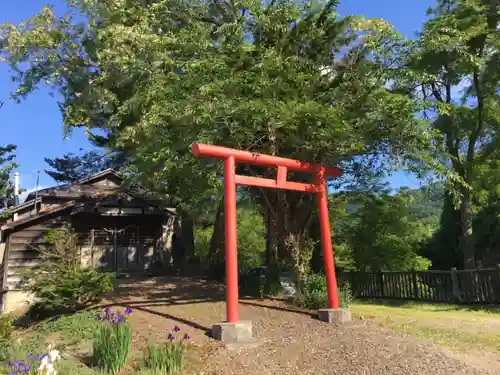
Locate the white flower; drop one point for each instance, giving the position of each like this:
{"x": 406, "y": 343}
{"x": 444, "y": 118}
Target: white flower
{"x": 47, "y": 361}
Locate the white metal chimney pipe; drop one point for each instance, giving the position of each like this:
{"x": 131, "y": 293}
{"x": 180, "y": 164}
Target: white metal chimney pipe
{"x": 16, "y": 185}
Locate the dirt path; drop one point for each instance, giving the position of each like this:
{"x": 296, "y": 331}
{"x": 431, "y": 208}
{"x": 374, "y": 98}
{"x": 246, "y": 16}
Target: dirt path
{"x": 287, "y": 342}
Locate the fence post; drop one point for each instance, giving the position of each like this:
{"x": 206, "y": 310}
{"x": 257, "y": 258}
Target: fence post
{"x": 496, "y": 285}
{"x": 354, "y": 277}
{"x": 455, "y": 285}
{"x": 381, "y": 283}
{"x": 415, "y": 284}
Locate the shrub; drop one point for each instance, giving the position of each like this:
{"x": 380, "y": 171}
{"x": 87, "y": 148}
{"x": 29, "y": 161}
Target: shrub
{"x": 168, "y": 357}
{"x": 5, "y": 350}
{"x": 253, "y": 283}
{"x": 6, "y": 329}
{"x": 315, "y": 295}
{"x": 202, "y": 237}
{"x": 111, "y": 344}
{"x": 6, "y": 326}
{"x": 60, "y": 283}
{"x": 69, "y": 290}
{"x": 346, "y": 295}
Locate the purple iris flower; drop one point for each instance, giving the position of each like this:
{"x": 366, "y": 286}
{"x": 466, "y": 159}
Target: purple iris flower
{"x": 20, "y": 367}
{"x": 120, "y": 319}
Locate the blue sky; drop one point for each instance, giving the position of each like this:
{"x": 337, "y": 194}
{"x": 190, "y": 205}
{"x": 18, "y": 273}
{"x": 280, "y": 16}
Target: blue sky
{"x": 35, "y": 125}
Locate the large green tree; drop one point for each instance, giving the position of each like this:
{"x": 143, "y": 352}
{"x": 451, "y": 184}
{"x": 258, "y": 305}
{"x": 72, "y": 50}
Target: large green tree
{"x": 384, "y": 230}
{"x": 487, "y": 207}
{"x": 387, "y": 235}
{"x": 454, "y": 72}
{"x": 7, "y": 166}
{"x": 281, "y": 77}
{"x": 73, "y": 167}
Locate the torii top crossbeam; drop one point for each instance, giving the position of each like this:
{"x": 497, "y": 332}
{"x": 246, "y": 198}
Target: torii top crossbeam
{"x": 254, "y": 158}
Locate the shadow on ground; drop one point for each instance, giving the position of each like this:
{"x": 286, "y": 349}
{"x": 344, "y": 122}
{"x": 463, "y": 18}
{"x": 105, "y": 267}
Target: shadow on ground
{"x": 153, "y": 295}
{"x": 171, "y": 287}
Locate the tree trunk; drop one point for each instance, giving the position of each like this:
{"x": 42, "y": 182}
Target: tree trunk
{"x": 273, "y": 285}
{"x": 316, "y": 264}
{"x": 290, "y": 213}
{"x": 216, "y": 255}
{"x": 294, "y": 247}
{"x": 188, "y": 241}
{"x": 443, "y": 249}
{"x": 466, "y": 242}
{"x": 271, "y": 255}
{"x": 300, "y": 253}
{"x": 293, "y": 220}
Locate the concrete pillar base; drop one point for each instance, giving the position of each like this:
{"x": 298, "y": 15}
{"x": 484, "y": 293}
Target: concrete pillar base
{"x": 233, "y": 332}
{"x": 334, "y": 315}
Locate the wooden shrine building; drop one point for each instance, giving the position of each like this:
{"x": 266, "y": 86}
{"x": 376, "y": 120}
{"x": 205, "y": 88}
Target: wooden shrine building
{"x": 120, "y": 228}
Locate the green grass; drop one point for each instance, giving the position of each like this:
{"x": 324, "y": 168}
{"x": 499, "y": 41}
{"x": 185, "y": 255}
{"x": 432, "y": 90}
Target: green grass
{"x": 72, "y": 328}
{"x": 65, "y": 330}
{"x": 21, "y": 347}
{"x": 73, "y": 335}
{"x": 68, "y": 367}
{"x": 455, "y": 327}
{"x": 35, "y": 344}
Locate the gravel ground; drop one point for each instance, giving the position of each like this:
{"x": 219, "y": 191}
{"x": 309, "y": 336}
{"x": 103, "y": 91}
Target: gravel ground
{"x": 288, "y": 341}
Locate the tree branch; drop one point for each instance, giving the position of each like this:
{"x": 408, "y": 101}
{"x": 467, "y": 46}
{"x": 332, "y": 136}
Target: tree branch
{"x": 436, "y": 92}
{"x": 480, "y": 117}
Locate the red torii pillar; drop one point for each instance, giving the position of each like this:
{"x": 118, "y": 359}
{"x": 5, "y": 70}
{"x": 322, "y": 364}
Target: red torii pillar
{"x": 230, "y": 157}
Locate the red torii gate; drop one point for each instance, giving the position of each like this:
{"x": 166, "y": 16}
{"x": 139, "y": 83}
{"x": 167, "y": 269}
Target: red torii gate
{"x": 230, "y": 157}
